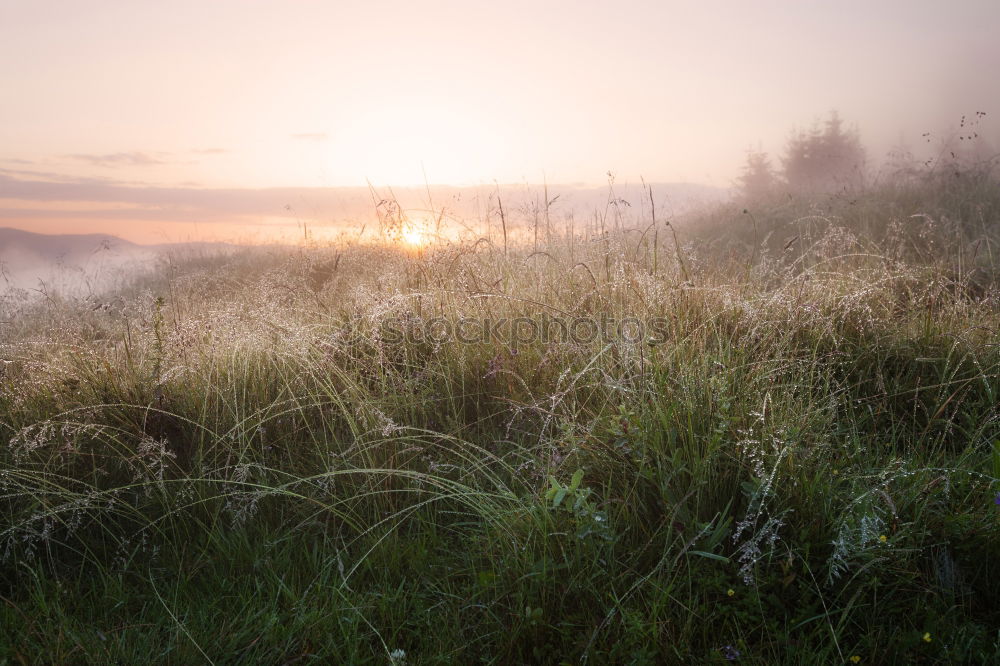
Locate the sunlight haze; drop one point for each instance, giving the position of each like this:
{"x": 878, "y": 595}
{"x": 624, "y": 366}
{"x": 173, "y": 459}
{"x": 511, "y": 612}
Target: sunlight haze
{"x": 455, "y": 332}
{"x": 253, "y": 95}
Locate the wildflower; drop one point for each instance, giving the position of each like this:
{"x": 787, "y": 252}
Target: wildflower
{"x": 997, "y": 500}
{"x": 855, "y": 659}
{"x": 927, "y": 637}
{"x": 397, "y": 656}
{"x": 836, "y": 472}
{"x": 729, "y": 652}
{"x": 882, "y": 538}
{"x": 730, "y": 592}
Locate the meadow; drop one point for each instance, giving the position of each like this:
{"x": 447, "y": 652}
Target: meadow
{"x": 286, "y": 455}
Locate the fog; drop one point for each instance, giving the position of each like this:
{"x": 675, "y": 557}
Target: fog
{"x": 244, "y": 121}
{"x": 77, "y": 266}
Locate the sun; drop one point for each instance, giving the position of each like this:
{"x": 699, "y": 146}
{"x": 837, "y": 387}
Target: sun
{"x": 414, "y": 236}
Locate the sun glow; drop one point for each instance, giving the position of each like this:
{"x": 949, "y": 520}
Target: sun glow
{"x": 432, "y": 141}
{"x": 415, "y": 235}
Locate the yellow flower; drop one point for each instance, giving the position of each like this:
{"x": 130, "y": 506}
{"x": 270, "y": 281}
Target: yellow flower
{"x": 855, "y": 659}
{"x": 882, "y": 539}
{"x": 731, "y": 592}
{"x": 836, "y": 472}
{"x": 927, "y": 637}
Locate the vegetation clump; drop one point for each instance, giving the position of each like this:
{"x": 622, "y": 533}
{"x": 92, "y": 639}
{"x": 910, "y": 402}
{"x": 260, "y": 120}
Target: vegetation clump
{"x": 288, "y": 454}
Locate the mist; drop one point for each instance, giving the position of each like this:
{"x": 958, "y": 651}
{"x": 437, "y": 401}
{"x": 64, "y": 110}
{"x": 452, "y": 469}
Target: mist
{"x": 512, "y": 332}
{"x": 219, "y": 118}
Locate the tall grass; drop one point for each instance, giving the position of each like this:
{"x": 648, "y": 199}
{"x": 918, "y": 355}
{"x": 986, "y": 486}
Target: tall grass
{"x": 231, "y": 461}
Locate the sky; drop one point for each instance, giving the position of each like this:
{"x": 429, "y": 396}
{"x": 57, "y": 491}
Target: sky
{"x": 152, "y": 119}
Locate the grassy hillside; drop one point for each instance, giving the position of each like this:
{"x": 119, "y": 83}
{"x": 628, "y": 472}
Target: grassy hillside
{"x": 789, "y": 452}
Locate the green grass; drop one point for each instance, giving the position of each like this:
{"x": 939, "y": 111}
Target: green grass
{"x": 230, "y": 461}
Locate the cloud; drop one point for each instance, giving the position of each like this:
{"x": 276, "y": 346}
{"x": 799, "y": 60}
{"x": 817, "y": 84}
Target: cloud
{"x": 310, "y": 136}
{"x": 133, "y": 158}
{"x": 105, "y": 199}
{"x": 185, "y": 201}
{"x": 209, "y": 151}
{"x": 27, "y": 175}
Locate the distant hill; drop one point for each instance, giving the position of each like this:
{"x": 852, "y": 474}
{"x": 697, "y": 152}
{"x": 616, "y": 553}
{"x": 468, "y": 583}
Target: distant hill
{"x": 54, "y": 247}
{"x": 73, "y": 263}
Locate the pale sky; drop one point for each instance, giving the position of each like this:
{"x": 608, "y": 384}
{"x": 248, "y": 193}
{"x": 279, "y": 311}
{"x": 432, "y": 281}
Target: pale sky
{"x": 231, "y": 94}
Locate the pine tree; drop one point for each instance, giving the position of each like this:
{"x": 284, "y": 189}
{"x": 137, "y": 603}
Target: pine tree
{"x": 758, "y": 179}
{"x": 825, "y": 159}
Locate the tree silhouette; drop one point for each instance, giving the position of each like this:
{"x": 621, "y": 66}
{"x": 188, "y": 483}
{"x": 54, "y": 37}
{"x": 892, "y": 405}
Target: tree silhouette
{"x": 826, "y": 158}
{"x": 758, "y": 179}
